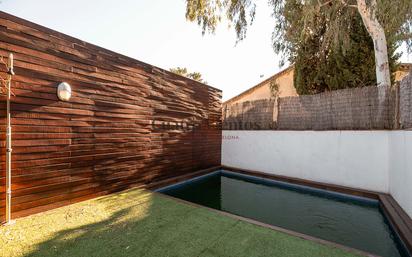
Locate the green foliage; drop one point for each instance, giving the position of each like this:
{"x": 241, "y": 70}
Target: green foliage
{"x": 191, "y": 75}
{"x": 274, "y": 88}
{"x": 326, "y": 39}
{"x": 209, "y": 13}
{"x": 395, "y": 16}
{"x": 317, "y": 70}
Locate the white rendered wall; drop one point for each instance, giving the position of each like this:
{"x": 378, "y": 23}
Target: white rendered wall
{"x": 400, "y": 170}
{"x": 373, "y": 160}
{"x": 357, "y": 159}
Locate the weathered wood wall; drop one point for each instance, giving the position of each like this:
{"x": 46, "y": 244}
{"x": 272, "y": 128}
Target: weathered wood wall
{"x": 110, "y": 135}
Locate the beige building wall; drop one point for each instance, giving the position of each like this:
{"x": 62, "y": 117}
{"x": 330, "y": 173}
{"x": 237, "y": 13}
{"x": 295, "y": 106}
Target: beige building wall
{"x": 404, "y": 70}
{"x": 283, "y": 79}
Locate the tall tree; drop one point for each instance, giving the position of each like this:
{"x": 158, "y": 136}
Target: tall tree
{"x": 385, "y": 21}
{"x": 191, "y": 75}
{"x": 318, "y": 70}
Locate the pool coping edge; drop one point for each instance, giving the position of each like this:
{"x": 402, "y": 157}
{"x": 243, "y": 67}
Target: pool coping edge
{"x": 272, "y": 227}
{"x": 400, "y": 221}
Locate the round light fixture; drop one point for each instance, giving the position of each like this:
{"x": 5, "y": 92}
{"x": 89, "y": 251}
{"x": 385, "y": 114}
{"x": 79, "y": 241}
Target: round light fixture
{"x": 64, "y": 91}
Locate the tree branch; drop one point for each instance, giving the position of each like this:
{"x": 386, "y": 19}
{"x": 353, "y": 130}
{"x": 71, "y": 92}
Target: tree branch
{"x": 323, "y": 4}
{"x": 348, "y": 5}
{"x": 342, "y": 1}
{"x": 405, "y": 36}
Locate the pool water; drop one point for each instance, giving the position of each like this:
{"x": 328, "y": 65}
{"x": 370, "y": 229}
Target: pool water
{"x": 351, "y": 221}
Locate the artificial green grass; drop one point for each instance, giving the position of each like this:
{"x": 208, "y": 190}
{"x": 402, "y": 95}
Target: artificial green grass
{"x": 139, "y": 223}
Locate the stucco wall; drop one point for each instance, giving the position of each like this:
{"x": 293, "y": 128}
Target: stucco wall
{"x": 286, "y": 88}
{"x": 400, "y": 169}
{"x": 349, "y": 158}
{"x": 373, "y": 160}
{"x": 402, "y": 72}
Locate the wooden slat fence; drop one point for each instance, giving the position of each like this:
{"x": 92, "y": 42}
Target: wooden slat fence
{"x": 128, "y": 123}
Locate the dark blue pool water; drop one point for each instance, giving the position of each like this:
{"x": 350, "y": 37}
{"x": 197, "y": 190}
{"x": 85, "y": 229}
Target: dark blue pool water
{"x": 350, "y": 221}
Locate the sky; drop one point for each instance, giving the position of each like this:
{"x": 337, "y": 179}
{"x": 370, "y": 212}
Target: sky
{"x": 157, "y": 32}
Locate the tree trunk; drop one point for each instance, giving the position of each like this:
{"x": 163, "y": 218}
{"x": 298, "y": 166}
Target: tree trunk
{"x": 377, "y": 33}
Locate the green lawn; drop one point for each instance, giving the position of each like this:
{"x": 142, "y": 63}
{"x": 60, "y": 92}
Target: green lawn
{"x": 139, "y": 223}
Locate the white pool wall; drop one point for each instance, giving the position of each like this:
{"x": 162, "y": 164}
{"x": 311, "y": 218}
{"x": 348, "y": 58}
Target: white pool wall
{"x": 372, "y": 160}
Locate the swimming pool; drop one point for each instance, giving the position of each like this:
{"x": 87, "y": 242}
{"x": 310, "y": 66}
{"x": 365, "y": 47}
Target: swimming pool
{"x": 352, "y": 221}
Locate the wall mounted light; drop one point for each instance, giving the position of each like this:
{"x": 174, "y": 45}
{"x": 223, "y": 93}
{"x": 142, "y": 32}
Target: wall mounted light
{"x": 64, "y": 91}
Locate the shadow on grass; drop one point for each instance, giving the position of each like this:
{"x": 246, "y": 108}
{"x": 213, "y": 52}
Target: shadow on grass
{"x": 154, "y": 226}
{"x": 144, "y": 224}
{"x": 95, "y": 239}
